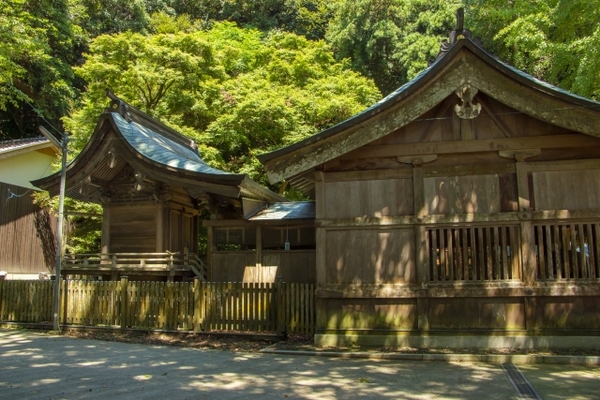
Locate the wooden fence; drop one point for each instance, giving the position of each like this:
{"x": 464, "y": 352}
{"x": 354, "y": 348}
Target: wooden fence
{"x": 200, "y": 306}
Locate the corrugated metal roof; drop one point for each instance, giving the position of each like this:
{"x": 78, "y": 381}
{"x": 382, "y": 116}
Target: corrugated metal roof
{"x": 287, "y": 210}
{"x": 7, "y": 146}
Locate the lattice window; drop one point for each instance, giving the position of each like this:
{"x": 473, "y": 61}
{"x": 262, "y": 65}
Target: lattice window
{"x": 479, "y": 253}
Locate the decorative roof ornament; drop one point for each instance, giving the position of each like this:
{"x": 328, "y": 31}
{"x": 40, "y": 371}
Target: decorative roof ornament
{"x": 457, "y": 34}
{"x": 468, "y": 109}
{"x": 118, "y": 105}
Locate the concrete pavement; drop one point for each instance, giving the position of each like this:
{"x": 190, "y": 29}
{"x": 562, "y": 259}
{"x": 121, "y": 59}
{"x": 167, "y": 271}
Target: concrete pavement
{"x": 36, "y": 366}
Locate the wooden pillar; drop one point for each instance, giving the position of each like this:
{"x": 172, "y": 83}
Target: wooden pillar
{"x": 530, "y": 305}
{"x": 105, "y": 239}
{"x": 181, "y": 243}
{"x": 523, "y": 186}
{"x": 522, "y": 169}
{"x": 209, "y": 252}
{"x": 124, "y": 303}
{"x": 160, "y": 229}
{"x": 195, "y": 233}
{"x": 528, "y": 253}
{"x": 280, "y": 304}
{"x": 198, "y": 305}
{"x": 321, "y": 252}
{"x": 420, "y": 231}
{"x": 259, "y": 270}
{"x": 421, "y": 248}
{"x": 423, "y": 313}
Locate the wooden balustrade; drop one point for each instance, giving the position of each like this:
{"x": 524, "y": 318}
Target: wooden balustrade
{"x": 134, "y": 261}
{"x": 477, "y": 253}
{"x": 567, "y": 251}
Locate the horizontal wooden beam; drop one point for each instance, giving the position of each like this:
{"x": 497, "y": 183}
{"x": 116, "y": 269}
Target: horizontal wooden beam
{"x": 563, "y": 165}
{"x": 470, "y": 289}
{"x": 474, "y": 146}
{"x": 462, "y": 170}
{"x": 367, "y": 175}
{"x": 506, "y": 218}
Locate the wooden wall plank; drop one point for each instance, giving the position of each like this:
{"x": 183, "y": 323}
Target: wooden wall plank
{"x": 383, "y": 256}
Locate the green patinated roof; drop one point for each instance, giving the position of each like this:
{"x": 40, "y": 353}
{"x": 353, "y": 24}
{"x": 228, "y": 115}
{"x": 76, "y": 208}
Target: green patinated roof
{"x": 163, "y": 150}
{"x": 286, "y": 211}
{"x": 162, "y": 153}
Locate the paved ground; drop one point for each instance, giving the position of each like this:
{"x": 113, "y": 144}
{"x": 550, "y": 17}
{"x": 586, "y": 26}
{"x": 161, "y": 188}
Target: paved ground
{"x": 34, "y": 366}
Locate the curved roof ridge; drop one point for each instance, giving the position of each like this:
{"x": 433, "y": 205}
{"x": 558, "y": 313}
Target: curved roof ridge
{"x": 403, "y": 91}
{"x": 162, "y": 149}
{"x": 131, "y": 113}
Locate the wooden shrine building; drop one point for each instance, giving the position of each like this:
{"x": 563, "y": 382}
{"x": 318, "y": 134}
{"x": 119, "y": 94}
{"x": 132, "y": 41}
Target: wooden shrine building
{"x": 462, "y": 209}
{"x": 152, "y": 185}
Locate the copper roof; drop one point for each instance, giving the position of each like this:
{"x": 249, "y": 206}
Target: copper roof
{"x": 133, "y": 137}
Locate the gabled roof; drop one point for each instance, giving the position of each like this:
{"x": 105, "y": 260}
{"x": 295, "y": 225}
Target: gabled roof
{"x": 463, "y": 63}
{"x": 18, "y": 146}
{"x": 125, "y": 135}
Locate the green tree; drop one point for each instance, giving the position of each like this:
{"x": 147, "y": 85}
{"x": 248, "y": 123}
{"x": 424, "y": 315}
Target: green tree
{"x": 391, "y": 41}
{"x": 98, "y": 17}
{"x": 39, "y": 44}
{"x": 554, "y": 40}
{"x": 303, "y": 17}
{"x": 237, "y": 92}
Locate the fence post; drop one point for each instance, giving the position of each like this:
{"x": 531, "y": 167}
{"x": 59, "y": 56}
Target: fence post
{"x": 280, "y": 304}
{"x": 63, "y": 307}
{"x": 198, "y": 305}
{"x": 171, "y": 268}
{"x": 124, "y": 302}
{"x": 1, "y": 297}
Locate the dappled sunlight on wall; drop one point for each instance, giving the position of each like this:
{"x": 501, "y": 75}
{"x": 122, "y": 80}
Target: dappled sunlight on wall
{"x": 463, "y": 194}
{"x": 370, "y": 256}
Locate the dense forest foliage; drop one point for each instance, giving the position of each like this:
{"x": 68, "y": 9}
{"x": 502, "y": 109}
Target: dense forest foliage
{"x": 244, "y": 77}
{"x": 225, "y": 57}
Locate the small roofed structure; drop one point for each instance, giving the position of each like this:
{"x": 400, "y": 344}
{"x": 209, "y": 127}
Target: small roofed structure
{"x": 278, "y": 241}
{"x": 153, "y": 185}
{"x": 26, "y": 229}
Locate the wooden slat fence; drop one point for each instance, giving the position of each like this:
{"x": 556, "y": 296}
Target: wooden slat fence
{"x": 90, "y": 303}
{"x": 567, "y": 251}
{"x": 237, "y": 307}
{"x": 477, "y": 253}
{"x": 29, "y": 301}
{"x": 199, "y": 306}
{"x": 300, "y": 308}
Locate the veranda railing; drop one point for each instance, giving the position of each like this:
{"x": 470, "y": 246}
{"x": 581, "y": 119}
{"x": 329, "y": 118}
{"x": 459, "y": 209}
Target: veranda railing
{"x": 567, "y": 251}
{"x": 143, "y": 261}
{"x": 477, "y": 253}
